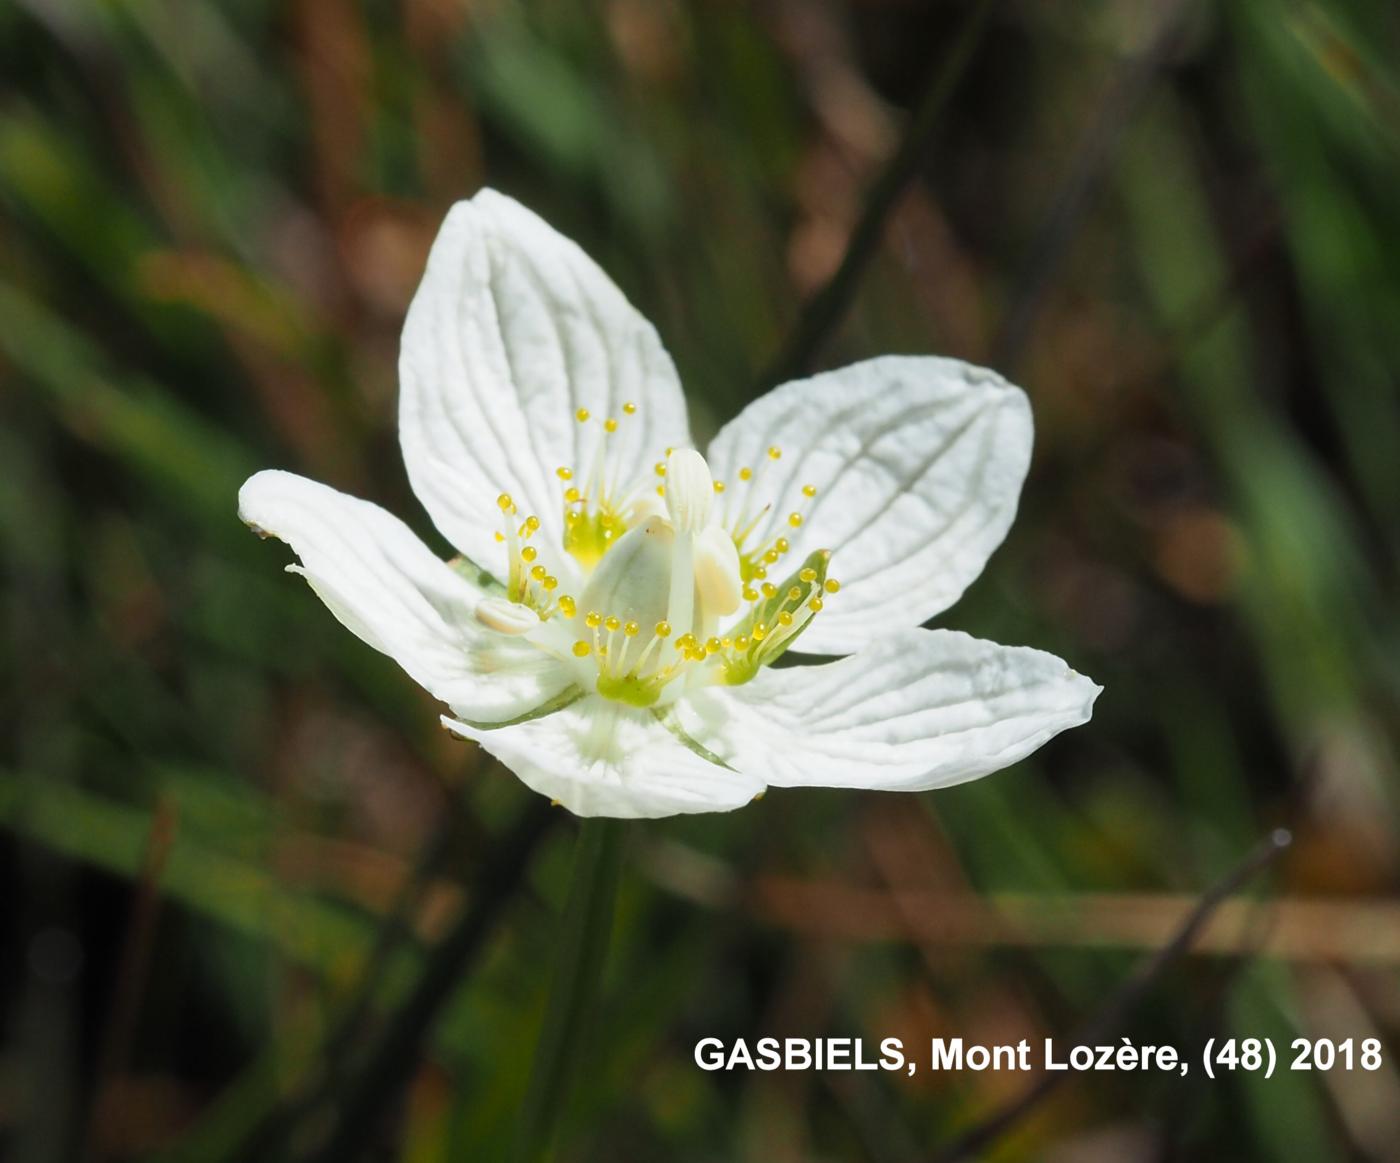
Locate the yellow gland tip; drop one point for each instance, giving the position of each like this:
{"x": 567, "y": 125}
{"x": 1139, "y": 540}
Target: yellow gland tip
{"x": 815, "y": 605}
{"x": 539, "y": 573}
{"x": 775, "y": 453}
{"x": 564, "y": 474}
{"x": 782, "y": 545}
{"x": 529, "y": 553}
{"x": 582, "y": 649}
{"x": 719, "y": 486}
{"x": 785, "y": 619}
{"x": 612, "y": 623}
{"x": 712, "y": 646}
{"x": 809, "y": 575}
{"x": 609, "y": 425}
{"x": 794, "y": 519}
{"x": 532, "y": 523}
{"x": 550, "y": 583}
{"x": 750, "y": 595}
{"x": 809, "y": 491}
{"x": 582, "y": 415}
{"x": 504, "y": 503}
{"x": 572, "y": 495}
{"x": 631, "y": 629}
{"x": 630, "y": 408}
{"x": 746, "y": 474}
{"x": 663, "y": 629}
{"x": 500, "y": 536}
{"x": 660, "y": 468}
{"x": 769, "y": 589}
{"x": 831, "y": 585}
{"x": 794, "y": 593}
{"x": 593, "y": 619}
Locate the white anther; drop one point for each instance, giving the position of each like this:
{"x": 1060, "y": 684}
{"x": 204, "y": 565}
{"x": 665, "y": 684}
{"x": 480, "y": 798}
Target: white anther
{"x": 506, "y": 617}
{"x": 690, "y": 490}
{"x": 633, "y": 580}
{"x": 717, "y": 571}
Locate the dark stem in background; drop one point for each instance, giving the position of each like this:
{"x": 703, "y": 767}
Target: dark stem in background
{"x": 131, "y": 974}
{"x": 1076, "y": 195}
{"x": 1125, "y": 998}
{"x": 394, "y": 1056}
{"x": 578, "y": 971}
{"x": 823, "y": 311}
{"x": 270, "y": 1132}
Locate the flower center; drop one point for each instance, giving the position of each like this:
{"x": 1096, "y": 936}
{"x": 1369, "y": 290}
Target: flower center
{"x": 668, "y": 576}
{"x": 597, "y": 512}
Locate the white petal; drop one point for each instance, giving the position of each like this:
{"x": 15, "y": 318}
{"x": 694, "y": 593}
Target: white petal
{"x": 600, "y": 758}
{"x": 916, "y": 710}
{"x": 918, "y": 464}
{"x": 512, "y": 330}
{"x": 388, "y": 587}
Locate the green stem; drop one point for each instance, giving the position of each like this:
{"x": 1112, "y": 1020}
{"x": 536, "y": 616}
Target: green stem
{"x": 583, "y": 946}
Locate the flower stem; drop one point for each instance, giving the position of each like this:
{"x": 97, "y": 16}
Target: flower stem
{"x": 583, "y": 945}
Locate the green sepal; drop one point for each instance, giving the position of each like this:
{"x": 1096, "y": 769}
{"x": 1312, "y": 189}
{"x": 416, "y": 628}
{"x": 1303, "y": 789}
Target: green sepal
{"x": 667, "y": 719}
{"x": 565, "y": 698}
{"x": 483, "y": 579}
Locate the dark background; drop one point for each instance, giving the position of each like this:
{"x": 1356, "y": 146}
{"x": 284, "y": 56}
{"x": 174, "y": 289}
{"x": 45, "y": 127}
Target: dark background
{"x": 1177, "y": 224}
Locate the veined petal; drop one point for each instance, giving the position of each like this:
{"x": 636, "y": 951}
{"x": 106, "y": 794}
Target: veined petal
{"x": 918, "y": 709}
{"x": 917, "y": 464}
{"x": 600, "y": 758}
{"x": 388, "y": 588}
{"x": 512, "y": 331}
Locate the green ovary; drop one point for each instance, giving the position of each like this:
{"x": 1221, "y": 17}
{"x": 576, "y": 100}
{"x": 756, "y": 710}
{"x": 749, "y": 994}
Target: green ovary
{"x": 629, "y": 689}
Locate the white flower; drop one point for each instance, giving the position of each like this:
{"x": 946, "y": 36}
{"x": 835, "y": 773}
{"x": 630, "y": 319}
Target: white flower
{"x": 609, "y": 628}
